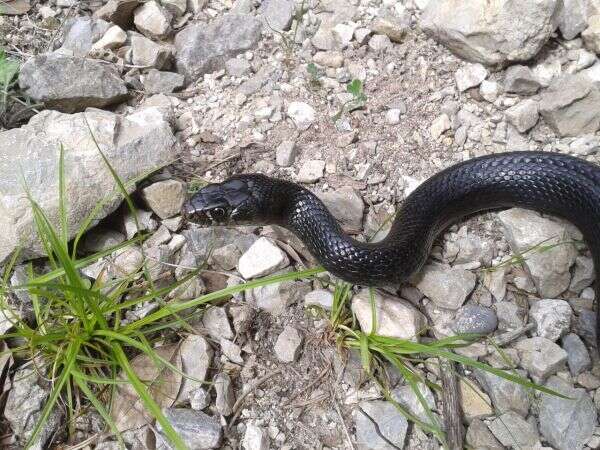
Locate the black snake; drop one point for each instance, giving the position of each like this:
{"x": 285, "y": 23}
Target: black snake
{"x": 551, "y": 183}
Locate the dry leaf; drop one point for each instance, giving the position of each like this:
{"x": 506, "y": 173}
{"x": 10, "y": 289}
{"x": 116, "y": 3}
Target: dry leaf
{"x": 127, "y": 410}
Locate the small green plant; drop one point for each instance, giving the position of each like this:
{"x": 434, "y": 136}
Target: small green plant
{"x": 314, "y": 76}
{"x": 13, "y": 109}
{"x": 358, "y": 100}
{"x": 288, "y": 40}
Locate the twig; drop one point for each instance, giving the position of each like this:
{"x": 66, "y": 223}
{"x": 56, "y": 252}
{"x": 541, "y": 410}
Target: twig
{"x": 237, "y": 406}
{"x": 451, "y": 406}
{"x": 337, "y": 408}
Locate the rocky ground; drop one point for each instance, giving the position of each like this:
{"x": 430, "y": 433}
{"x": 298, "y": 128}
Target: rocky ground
{"x": 360, "y": 100}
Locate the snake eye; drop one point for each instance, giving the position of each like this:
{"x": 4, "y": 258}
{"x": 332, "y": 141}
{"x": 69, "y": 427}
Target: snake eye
{"x": 218, "y": 213}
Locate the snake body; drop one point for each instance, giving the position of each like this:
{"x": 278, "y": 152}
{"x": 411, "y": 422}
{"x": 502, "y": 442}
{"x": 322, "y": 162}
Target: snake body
{"x": 551, "y": 183}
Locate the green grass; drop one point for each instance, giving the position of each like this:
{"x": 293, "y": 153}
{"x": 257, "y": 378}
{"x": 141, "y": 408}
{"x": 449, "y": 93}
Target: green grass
{"x": 358, "y": 100}
{"x": 13, "y": 108}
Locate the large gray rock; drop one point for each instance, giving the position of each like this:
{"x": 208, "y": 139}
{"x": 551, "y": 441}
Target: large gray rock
{"x": 80, "y": 34}
{"x": 514, "y": 432}
{"x": 379, "y": 426}
{"x": 549, "y": 270}
{"x": 203, "y": 48}
{"x": 448, "y": 287}
{"x": 541, "y": 357}
{"x": 198, "y": 430}
{"x": 71, "y": 84}
{"x": 346, "y": 205}
{"x": 573, "y": 18}
{"x": 567, "y": 424}
{"x": 492, "y": 33}
{"x": 133, "y": 144}
{"x": 506, "y": 395}
{"x": 571, "y": 105}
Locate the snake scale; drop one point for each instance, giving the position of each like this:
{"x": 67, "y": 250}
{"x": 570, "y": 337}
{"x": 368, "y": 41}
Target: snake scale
{"x": 552, "y": 183}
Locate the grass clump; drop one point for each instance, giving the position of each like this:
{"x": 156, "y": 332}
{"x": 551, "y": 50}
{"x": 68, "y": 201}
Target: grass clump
{"x": 13, "y": 108}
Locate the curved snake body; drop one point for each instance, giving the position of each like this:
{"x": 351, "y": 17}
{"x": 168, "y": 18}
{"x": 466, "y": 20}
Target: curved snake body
{"x": 552, "y": 183}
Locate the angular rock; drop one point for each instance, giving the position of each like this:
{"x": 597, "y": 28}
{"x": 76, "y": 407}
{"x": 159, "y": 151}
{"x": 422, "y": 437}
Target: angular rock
{"x": 571, "y": 105}
{"x": 225, "y": 397}
{"x": 573, "y": 18}
{"x": 255, "y": 438}
{"x": 147, "y": 53}
{"x": 520, "y": 80}
{"x": 80, "y": 34}
{"x": 446, "y": 286}
{"x": 583, "y": 276}
{"x": 199, "y": 399}
{"x": 119, "y": 12}
{"x": 114, "y": 38}
{"x": 319, "y": 297}
{"x": 346, "y": 205}
{"x": 552, "y": 318}
{"x": 491, "y": 33}
{"x": 406, "y": 397}
{"x": 567, "y": 424}
{"x": 277, "y": 14}
{"x": 262, "y": 258}
{"x": 157, "y": 82}
{"x": 475, "y": 404}
{"x": 515, "y": 432}
{"x": 285, "y": 153}
{"x": 540, "y": 357}
{"x": 578, "y": 357}
{"x": 334, "y": 13}
{"x": 391, "y": 26}
{"x": 470, "y": 75}
{"x": 489, "y": 90}
{"x": 288, "y": 344}
{"x": 475, "y": 319}
{"x": 549, "y": 270}
{"x": 204, "y": 48}
{"x": 196, "y": 429}
{"x": 133, "y": 144}
{"x": 479, "y": 436}
{"x": 394, "y": 317}
{"x": 152, "y": 20}
{"x": 302, "y": 114}
{"x": 379, "y": 426}
{"x": 196, "y": 359}
{"x": 311, "y": 171}
{"x": 71, "y": 84}
{"x": 591, "y": 35}
{"x": 506, "y": 395}
{"x": 216, "y": 322}
{"x": 24, "y": 405}
{"x": 440, "y": 125}
{"x": 524, "y": 115}
{"x": 165, "y": 198}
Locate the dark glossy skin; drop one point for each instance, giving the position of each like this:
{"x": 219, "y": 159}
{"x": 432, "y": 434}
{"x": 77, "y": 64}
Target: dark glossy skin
{"x": 552, "y": 183}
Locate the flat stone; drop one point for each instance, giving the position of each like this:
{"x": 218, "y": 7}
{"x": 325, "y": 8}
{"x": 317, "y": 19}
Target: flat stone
{"x": 524, "y": 115}
{"x": 439, "y": 126}
{"x": 311, "y": 171}
{"x": 114, "y": 38}
{"x": 567, "y": 424}
{"x": 80, "y": 34}
{"x": 204, "y": 48}
{"x": 446, "y": 286}
{"x": 550, "y": 270}
{"x": 232, "y": 351}
{"x": 489, "y": 90}
{"x": 165, "y": 198}
{"x": 346, "y": 205}
{"x": 262, "y": 258}
{"x": 479, "y": 436}
{"x": 288, "y": 344}
{"x": 406, "y": 396}
{"x": 506, "y": 395}
{"x": 393, "y": 27}
{"x": 71, "y": 84}
{"x": 571, "y": 105}
{"x": 573, "y": 18}
{"x": 475, "y": 404}
{"x": 540, "y": 357}
{"x": 515, "y": 432}
{"x": 379, "y": 426}
{"x": 275, "y": 298}
{"x": 286, "y": 153}
{"x": 520, "y": 80}
{"x": 157, "y": 82}
{"x": 196, "y": 359}
{"x": 394, "y": 317}
{"x": 469, "y": 76}
{"x": 277, "y": 14}
{"x": 216, "y": 322}
{"x": 255, "y": 438}
{"x": 491, "y": 33}
{"x": 319, "y": 297}
{"x": 302, "y": 114}
{"x": 578, "y": 357}
{"x": 552, "y": 318}
{"x": 334, "y": 59}
{"x": 196, "y": 429}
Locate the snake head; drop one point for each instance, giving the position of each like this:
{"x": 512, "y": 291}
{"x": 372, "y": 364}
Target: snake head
{"x": 238, "y": 200}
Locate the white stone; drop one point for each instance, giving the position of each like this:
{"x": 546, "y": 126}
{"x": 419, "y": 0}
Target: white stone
{"x": 489, "y": 90}
{"x": 319, "y": 297}
{"x": 262, "y": 258}
{"x": 392, "y": 116}
{"x": 440, "y": 125}
{"x": 255, "y": 438}
{"x": 540, "y": 357}
{"x": 448, "y": 287}
{"x": 302, "y": 114}
{"x": 552, "y": 318}
{"x": 524, "y": 115}
{"x": 152, "y": 20}
{"x": 470, "y": 75}
{"x": 114, "y": 37}
{"x": 343, "y": 32}
{"x": 288, "y": 344}
{"x": 394, "y": 317}
{"x": 311, "y": 171}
